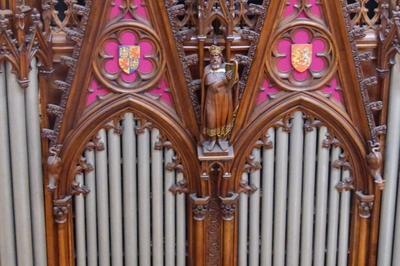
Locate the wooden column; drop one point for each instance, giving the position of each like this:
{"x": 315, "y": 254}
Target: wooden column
{"x": 63, "y": 219}
{"x": 228, "y": 208}
{"x": 200, "y": 210}
{"x": 364, "y": 208}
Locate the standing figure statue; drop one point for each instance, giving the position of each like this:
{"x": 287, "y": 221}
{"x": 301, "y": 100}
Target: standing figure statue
{"x": 218, "y": 101}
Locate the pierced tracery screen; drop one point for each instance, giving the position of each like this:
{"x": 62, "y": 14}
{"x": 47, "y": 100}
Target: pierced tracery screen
{"x": 135, "y": 211}
{"x": 295, "y": 205}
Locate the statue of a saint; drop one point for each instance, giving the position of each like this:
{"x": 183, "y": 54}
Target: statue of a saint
{"x": 218, "y": 101}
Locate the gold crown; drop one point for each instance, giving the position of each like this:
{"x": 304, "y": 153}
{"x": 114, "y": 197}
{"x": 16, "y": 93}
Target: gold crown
{"x": 215, "y": 50}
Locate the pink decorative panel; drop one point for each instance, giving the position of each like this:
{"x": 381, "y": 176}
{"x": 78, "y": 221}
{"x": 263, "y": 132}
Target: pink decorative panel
{"x": 162, "y": 93}
{"x": 96, "y": 91}
{"x": 311, "y": 9}
{"x": 334, "y": 91}
{"x": 267, "y": 92}
{"x": 303, "y": 54}
{"x": 129, "y": 56}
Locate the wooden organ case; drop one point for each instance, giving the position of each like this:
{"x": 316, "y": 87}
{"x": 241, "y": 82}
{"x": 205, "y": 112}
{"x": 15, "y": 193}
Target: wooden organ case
{"x": 199, "y": 132}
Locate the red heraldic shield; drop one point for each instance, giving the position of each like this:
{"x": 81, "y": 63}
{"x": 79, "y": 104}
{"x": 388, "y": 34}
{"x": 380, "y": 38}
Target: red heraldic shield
{"x": 301, "y": 56}
{"x": 128, "y": 59}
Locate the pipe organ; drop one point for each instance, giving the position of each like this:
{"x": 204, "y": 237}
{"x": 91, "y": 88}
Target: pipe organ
{"x": 390, "y": 221}
{"x": 134, "y": 213}
{"x": 204, "y": 133}
{"x": 297, "y": 202}
{"x": 22, "y": 238}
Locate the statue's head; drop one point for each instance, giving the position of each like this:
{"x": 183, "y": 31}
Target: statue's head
{"x": 215, "y": 56}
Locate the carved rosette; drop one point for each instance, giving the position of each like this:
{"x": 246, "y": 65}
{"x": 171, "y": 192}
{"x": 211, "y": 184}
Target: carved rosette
{"x": 22, "y": 38}
{"x": 151, "y": 61}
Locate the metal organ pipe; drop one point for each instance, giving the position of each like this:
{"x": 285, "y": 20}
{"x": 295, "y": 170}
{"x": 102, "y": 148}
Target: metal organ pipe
{"x": 130, "y": 216}
{"x": 7, "y": 233}
{"x": 35, "y": 166}
{"x": 115, "y": 192}
{"x": 180, "y": 225}
{"x": 157, "y": 199}
{"x": 91, "y": 211}
{"x": 130, "y": 189}
{"x": 344, "y": 223}
{"x": 254, "y": 217}
{"x": 144, "y": 197}
{"x": 333, "y": 210}
{"x": 321, "y": 199}
{"x": 243, "y": 224}
{"x": 102, "y": 201}
{"x": 267, "y": 200}
{"x": 20, "y": 171}
{"x": 80, "y": 230}
{"x": 169, "y": 180}
{"x": 307, "y": 218}
{"x": 281, "y": 171}
{"x": 303, "y": 194}
{"x": 22, "y": 235}
{"x": 295, "y": 188}
{"x": 390, "y": 194}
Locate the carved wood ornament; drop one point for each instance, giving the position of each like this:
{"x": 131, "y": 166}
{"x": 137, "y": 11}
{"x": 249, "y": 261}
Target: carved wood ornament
{"x": 330, "y": 60}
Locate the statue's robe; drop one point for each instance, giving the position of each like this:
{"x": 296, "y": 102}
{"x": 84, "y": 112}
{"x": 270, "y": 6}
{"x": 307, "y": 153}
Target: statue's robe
{"x": 218, "y": 104}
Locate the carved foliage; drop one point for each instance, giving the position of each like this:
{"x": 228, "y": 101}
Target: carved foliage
{"x": 22, "y": 38}
{"x": 365, "y": 13}
{"x": 77, "y": 34}
{"x": 366, "y": 82}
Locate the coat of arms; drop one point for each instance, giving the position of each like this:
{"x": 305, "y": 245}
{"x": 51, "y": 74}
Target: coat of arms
{"x": 129, "y": 58}
{"x": 301, "y": 56}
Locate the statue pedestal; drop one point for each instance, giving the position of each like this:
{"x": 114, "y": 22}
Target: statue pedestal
{"x": 217, "y": 154}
